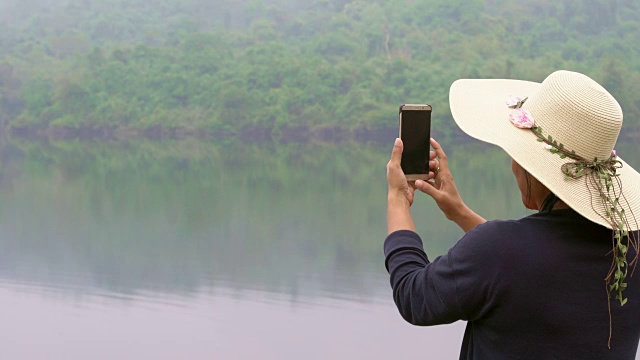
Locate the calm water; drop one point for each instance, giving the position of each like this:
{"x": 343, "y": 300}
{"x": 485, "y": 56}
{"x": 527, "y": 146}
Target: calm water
{"x": 217, "y": 250}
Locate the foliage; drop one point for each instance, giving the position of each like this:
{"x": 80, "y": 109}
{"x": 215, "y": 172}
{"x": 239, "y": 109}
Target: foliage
{"x": 221, "y": 65}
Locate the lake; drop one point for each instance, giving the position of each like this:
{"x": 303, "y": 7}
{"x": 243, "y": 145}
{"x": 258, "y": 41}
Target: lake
{"x": 218, "y": 249}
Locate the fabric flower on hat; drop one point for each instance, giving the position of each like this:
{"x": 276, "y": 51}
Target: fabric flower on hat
{"x": 522, "y": 119}
{"x": 514, "y": 101}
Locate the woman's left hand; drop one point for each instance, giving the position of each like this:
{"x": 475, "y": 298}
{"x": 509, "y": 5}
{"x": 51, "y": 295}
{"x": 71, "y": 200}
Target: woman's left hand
{"x": 399, "y": 188}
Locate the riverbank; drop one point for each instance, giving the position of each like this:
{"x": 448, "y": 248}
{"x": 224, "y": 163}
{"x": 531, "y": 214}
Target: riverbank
{"x": 288, "y": 133}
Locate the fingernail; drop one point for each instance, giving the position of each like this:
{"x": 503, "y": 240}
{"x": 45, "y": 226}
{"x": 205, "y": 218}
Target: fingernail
{"x": 397, "y": 143}
{"x": 418, "y": 182}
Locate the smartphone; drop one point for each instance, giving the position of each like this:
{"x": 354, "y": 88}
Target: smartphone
{"x": 415, "y": 132}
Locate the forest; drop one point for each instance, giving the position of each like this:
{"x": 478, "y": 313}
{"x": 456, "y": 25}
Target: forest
{"x": 285, "y": 67}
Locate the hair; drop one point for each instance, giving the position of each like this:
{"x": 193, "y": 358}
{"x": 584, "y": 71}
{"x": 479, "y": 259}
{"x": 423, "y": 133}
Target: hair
{"x": 548, "y": 203}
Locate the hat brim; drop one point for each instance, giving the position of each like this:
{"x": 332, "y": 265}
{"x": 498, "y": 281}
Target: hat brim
{"x": 479, "y": 108}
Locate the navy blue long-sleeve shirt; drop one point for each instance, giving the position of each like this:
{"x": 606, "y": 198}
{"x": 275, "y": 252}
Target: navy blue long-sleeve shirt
{"x": 532, "y": 288}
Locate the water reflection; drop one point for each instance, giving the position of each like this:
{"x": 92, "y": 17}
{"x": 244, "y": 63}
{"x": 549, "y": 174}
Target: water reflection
{"x": 190, "y": 224}
{"x": 177, "y": 216}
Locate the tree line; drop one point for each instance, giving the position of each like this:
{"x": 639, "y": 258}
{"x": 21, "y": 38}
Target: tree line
{"x": 224, "y": 66}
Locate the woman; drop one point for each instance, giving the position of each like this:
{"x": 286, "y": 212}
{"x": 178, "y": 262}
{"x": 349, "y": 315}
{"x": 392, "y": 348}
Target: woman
{"x": 554, "y": 285}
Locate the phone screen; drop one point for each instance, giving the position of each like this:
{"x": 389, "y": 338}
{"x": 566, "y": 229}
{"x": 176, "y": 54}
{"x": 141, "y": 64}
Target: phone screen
{"x": 415, "y": 132}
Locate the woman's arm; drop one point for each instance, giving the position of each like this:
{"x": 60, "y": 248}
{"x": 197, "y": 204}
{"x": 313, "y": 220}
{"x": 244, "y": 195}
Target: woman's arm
{"x": 426, "y": 293}
{"x": 465, "y": 283}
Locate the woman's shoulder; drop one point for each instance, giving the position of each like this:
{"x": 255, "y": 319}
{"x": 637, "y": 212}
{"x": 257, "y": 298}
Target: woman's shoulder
{"x": 536, "y": 230}
{"x": 533, "y": 223}
{"x": 496, "y": 229}
{"x": 487, "y": 239}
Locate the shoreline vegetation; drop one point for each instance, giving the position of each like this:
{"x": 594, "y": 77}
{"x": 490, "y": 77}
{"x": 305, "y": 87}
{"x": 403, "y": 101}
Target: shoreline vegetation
{"x": 329, "y": 134}
{"x": 287, "y": 69}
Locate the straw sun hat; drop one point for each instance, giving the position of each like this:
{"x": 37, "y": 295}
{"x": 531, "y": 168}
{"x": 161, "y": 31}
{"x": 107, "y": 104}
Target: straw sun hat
{"x": 575, "y": 111}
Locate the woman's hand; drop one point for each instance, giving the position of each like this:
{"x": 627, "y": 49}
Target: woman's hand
{"x": 399, "y": 188}
{"x": 443, "y": 190}
{"x": 400, "y": 195}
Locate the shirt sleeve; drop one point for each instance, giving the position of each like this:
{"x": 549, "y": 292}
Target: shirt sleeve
{"x": 460, "y": 285}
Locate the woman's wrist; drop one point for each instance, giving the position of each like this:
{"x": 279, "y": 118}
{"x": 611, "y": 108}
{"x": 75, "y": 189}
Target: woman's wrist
{"x": 399, "y": 213}
{"x": 397, "y": 198}
{"x": 466, "y": 218}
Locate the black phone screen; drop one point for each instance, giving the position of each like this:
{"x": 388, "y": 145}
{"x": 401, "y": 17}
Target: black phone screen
{"x": 415, "y": 134}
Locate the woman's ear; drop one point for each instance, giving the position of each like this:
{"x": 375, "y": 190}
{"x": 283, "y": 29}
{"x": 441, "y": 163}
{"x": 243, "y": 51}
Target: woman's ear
{"x": 529, "y": 186}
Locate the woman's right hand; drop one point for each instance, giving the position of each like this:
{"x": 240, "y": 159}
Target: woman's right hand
{"x": 443, "y": 190}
